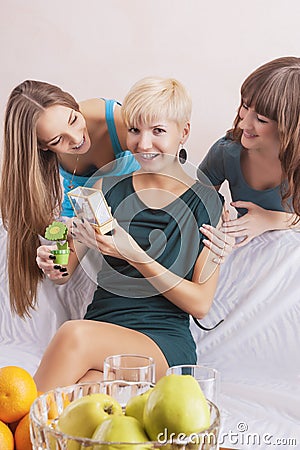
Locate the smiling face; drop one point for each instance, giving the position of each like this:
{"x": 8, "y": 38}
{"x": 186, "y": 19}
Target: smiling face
{"x": 258, "y": 132}
{"x": 155, "y": 145}
{"x": 62, "y": 130}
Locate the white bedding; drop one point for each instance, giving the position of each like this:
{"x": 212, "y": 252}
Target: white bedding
{"x": 256, "y": 348}
{"x": 22, "y": 341}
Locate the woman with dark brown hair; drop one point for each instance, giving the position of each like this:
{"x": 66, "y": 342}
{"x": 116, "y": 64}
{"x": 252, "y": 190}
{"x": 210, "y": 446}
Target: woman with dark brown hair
{"x": 260, "y": 156}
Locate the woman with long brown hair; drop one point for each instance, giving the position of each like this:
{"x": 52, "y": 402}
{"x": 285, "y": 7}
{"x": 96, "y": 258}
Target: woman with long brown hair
{"x": 72, "y": 141}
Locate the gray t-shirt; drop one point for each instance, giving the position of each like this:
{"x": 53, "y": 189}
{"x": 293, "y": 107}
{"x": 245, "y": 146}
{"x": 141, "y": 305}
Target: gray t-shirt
{"x": 222, "y": 162}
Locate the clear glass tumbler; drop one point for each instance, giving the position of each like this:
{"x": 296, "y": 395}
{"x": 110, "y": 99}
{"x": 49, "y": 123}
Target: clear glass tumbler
{"x": 129, "y": 367}
{"x": 207, "y": 377}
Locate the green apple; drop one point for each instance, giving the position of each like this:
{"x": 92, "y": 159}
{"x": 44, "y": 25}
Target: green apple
{"x": 118, "y": 429}
{"x": 135, "y": 406}
{"x": 82, "y": 416}
{"x": 175, "y": 405}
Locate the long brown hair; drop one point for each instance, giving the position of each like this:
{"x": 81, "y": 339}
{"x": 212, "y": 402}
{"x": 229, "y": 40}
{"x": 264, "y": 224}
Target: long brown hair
{"x": 30, "y": 187}
{"x": 273, "y": 90}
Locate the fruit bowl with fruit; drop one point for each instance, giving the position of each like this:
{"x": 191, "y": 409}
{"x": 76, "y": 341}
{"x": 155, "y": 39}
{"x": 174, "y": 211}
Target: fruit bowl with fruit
{"x": 120, "y": 415}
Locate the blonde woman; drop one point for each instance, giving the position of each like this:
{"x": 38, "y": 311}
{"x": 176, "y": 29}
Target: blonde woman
{"x": 260, "y": 156}
{"x": 47, "y": 134}
{"x": 157, "y": 270}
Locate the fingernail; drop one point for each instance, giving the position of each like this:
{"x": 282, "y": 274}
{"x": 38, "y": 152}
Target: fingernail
{"x": 57, "y": 267}
{"x": 74, "y": 224}
{"x": 52, "y": 257}
{"x": 65, "y": 274}
{"x": 63, "y": 269}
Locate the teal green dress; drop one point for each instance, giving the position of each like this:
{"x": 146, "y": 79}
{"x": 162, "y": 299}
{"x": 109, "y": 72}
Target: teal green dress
{"x": 171, "y": 236}
{"x": 223, "y": 162}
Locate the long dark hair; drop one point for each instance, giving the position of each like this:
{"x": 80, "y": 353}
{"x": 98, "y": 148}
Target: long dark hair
{"x": 273, "y": 90}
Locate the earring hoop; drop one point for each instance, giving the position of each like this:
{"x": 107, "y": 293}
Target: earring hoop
{"x": 182, "y": 155}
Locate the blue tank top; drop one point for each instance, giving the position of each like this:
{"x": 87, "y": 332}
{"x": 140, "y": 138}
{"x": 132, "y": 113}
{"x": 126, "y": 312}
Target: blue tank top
{"x": 124, "y": 163}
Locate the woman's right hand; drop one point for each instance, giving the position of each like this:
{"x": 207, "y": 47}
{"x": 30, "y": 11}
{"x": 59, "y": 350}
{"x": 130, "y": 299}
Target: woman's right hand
{"x": 119, "y": 244}
{"x": 46, "y": 262}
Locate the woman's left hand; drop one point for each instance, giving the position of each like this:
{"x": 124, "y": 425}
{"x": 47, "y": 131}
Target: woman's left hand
{"x": 217, "y": 240}
{"x": 255, "y": 222}
{"x": 220, "y": 243}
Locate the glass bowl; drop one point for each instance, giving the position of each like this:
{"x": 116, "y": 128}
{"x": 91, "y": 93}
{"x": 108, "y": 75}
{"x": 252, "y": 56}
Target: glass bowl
{"x": 46, "y": 409}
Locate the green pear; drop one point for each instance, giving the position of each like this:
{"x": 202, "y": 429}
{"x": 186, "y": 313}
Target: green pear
{"x": 135, "y": 406}
{"x": 118, "y": 429}
{"x": 175, "y": 405}
{"x": 82, "y": 416}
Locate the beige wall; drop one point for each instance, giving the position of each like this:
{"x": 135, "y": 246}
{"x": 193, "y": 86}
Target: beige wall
{"x": 101, "y": 47}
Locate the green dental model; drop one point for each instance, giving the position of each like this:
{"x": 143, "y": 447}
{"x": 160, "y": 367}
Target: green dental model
{"x": 58, "y": 231}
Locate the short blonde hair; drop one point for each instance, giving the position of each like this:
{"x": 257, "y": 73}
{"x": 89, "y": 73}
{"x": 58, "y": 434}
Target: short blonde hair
{"x": 155, "y": 97}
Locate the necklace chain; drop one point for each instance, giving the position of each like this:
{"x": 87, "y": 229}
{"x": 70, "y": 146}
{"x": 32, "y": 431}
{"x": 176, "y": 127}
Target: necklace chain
{"x": 71, "y": 185}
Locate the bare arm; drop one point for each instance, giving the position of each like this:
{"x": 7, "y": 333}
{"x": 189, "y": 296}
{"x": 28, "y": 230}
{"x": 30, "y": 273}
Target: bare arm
{"x": 194, "y": 297}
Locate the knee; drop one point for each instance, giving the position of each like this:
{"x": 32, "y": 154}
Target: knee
{"x": 70, "y": 335}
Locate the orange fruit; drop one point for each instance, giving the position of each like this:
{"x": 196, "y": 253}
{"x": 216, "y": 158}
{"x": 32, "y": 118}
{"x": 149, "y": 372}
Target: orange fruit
{"x": 17, "y": 392}
{"x": 53, "y": 411}
{"x": 6, "y": 437}
{"x": 22, "y": 434}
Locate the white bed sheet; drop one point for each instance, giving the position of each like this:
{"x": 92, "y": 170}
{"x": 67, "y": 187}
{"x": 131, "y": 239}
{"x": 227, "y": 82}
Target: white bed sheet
{"x": 23, "y": 341}
{"x": 256, "y": 348}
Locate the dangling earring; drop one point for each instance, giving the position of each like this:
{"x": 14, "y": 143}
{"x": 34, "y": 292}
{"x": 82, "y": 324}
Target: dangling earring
{"x": 182, "y": 155}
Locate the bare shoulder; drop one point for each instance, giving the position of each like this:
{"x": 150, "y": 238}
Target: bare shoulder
{"x": 98, "y": 184}
{"x": 93, "y": 109}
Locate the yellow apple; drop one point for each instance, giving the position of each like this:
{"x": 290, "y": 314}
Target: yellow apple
{"x": 82, "y": 416}
{"x": 176, "y": 405}
{"x": 121, "y": 429}
{"x": 135, "y": 406}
